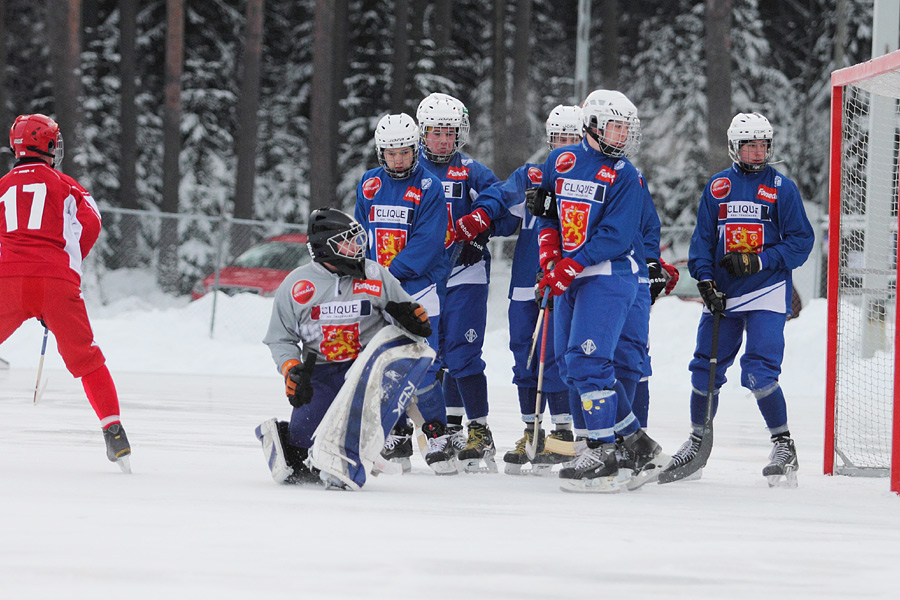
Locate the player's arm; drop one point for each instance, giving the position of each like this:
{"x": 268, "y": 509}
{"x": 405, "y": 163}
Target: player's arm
{"x": 424, "y": 250}
{"x": 399, "y": 307}
{"x": 88, "y": 215}
{"x": 705, "y": 239}
{"x": 797, "y": 236}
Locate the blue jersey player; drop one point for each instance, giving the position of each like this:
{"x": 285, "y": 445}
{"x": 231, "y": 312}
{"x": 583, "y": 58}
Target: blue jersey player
{"x": 751, "y": 232}
{"x": 401, "y": 207}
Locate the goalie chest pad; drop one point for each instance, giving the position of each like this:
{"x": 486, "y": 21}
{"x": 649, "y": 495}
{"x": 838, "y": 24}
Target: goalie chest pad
{"x": 376, "y": 391}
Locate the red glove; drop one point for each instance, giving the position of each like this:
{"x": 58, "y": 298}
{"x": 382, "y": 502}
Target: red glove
{"x": 550, "y": 249}
{"x": 469, "y": 226}
{"x": 673, "y": 276}
{"x": 561, "y": 277}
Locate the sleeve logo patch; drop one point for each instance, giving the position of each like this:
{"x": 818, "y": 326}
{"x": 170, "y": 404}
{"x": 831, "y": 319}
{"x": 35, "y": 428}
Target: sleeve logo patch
{"x": 535, "y": 175}
{"x": 371, "y": 287}
{"x": 370, "y": 187}
{"x": 720, "y": 188}
{"x": 303, "y": 291}
{"x": 565, "y": 162}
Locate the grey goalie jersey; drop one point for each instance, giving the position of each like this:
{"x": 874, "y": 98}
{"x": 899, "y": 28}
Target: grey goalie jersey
{"x": 333, "y": 315}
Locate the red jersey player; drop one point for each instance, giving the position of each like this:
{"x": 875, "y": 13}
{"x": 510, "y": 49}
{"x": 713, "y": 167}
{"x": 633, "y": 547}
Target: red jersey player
{"x": 48, "y": 224}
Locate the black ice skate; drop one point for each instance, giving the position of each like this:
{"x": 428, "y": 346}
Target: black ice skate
{"x": 438, "y": 453}
{"x": 595, "y": 471}
{"x": 118, "y": 450}
{"x": 398, "y": 446}
{"x": 545, "y": 459}
{"x": 782, "y": 468}
{"x": 457, "y": 439}
{"x": 643, "y": 457}
{"x": 478, "y": 455}
{"x": 685, "y": 454}
{"x": 516, "y": 458}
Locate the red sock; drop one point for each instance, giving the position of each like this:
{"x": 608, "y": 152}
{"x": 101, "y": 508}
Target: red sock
{"x": 101, "y": 392}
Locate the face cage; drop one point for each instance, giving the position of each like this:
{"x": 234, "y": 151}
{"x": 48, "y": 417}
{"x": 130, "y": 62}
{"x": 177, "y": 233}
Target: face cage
{"x": 632, "y": 141}
{"x": 398, "y": 174}
{"x": 555, "y": 135}
{"x": 356, "y": 235}
{"x": 734, "y": 147}
{"x": 440, "y": 159}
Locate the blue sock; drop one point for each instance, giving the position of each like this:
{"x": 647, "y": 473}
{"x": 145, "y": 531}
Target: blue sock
{"x": 641, "y": 404}
{"x": 473, "y": 389}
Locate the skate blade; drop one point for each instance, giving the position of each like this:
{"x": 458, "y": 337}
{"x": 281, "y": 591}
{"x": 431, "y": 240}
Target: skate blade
{"x": 387, "y": 467}
{"x": 444, "y": 467}
{"x": 474, "y": 465}
{"x": 514, "y": 469}
{"x": 124, "y": 463}
{"x": 332, "y": 482}
{"x": 788, "y": 480}
{"x": 649, "y": 473}
{"x": 598, "y": 485}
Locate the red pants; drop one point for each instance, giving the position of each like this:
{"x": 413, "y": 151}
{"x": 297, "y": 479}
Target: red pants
{"x": 59, "y": 304}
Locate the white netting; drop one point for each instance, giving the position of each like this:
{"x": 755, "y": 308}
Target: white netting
{"x": 867, "y": 307}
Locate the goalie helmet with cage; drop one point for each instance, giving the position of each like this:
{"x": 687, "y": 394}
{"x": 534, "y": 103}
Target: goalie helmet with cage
{"x": 564, "y": 125}
{"x": 611, "y": 120}
{"x": 747, "y": 127}
{"x": 335, "y": 238}
{"x": 442, "y": 112}
{"x": 397, "y": 132}
{"x": 36, "y": 136}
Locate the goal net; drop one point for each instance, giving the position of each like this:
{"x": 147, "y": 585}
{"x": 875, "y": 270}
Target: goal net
{"x": 862, "y": 423}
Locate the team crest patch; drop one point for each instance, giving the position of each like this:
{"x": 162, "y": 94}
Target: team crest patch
{"x": 371, "y": 287}
{"x": 588, "y": 346}
{"x": 743, "y": 237}
{"x": 340, "y": 342}
{"x": 303, "y": 291}
{"x": 388, "y": 244}
{"x": 451, "y": 229}
{"x": 370, "y": 187}
{"x": 573, "y": 219}
{"x": 720, "y": 188}
{"x": 535, "y": 175}
{"x": 565, "y": 162}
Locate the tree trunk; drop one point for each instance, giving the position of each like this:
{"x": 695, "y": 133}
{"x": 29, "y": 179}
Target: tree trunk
{"x": 443, "y": 21}
{"x": 609, "y": 66}
{"x": 401, "y": 56}
{"x": 5, "y": 119}
{"x": 718, "y": 82}
{"x": 63, "y": 29}
{"x": 518, "y": 128}
{"x": 128, "y": 136}
{"x": 247, "y": 134}
{"x": 498, "y": 78}
{"x": 168, "y": 235}
{"x": 322, "y": 163}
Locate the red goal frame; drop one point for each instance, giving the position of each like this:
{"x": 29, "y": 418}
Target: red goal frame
{"x": 840, "y": 79}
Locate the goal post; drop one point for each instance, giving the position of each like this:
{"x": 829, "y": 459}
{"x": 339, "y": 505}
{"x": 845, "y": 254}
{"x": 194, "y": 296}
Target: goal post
{"x": 862, "y": 418}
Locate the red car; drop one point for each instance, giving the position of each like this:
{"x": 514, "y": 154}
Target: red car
{"x": 260, "y": 269}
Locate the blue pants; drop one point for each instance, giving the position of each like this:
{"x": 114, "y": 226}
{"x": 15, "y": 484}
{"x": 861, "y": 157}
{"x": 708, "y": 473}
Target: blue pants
{"x": 522, "y": 319}
{"x": 327, "y": 380}
{"x": 463, "y": 322}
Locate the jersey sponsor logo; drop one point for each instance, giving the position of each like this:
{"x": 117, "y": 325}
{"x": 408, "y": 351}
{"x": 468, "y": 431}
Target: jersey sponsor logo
{"x": 742, "y": 210}
{"x": 607, "y": 175}
{"x": 720, "y": 188}
{"x": 767, "y": 194}
{"x": 370, "y": 187}
{"x": 412, "y": 194}
{"x": 535, "y": 175}
{"x": 743, "y": 237}
{"x": 583, "y": 190}
{"x": 565, "y": 162}
{"x": 451, "y": 228}
{"x": 371, "y": 287}
{"x": 355, "y": 309}
{"x": 458, "y": 173}
{"x": 388, "y": 244}
{"x": 452, "y": 189}
{"x": 573, "y": 219}
{"x": 398, "y": 215}
{"x": 340, "y": 342}
{"x": 303, "y": 291}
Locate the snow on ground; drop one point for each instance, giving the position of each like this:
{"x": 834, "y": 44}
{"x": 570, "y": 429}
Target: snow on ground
{"x": 201, "y": 518}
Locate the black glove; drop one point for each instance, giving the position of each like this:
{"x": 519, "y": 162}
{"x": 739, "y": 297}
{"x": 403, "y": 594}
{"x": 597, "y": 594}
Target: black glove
{"x": 298, "y": 380}
{"x": 473, "y": 251}
{"x": 658, "y": 278}
{"x": 739, "y": 264}
{"x": 410, "y": 316}
{"x": 541, "y": 202}
{"x": 712, "y": 298}
{"x": 537, "y": 292}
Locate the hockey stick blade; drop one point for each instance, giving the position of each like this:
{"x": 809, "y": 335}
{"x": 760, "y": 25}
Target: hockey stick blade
{"x": 556, "y": 446}
{"x": 692, "y": 466}
{"x": 39, "y": 391}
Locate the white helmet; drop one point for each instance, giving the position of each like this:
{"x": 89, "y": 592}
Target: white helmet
{"x": 563, "y": 120}
{"x": 603, "y": 106}
{"x": 397, "y": 131}
{"x": 441, "y": 110}
{"x": 744, "y": 128}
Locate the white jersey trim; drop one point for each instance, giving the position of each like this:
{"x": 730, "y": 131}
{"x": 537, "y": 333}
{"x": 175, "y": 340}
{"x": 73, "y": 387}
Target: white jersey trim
{"x": 768, "y": 298}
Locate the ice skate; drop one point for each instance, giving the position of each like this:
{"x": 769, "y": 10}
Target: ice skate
{"x": 643, "y": 456}
{"x": 118, "y": 450}
{"x": 478, "y": 455}
{"x": 546, "y": 458}
{"x": 516, "y": 458}
{"x": 595, "y": 471}
{"x": 782, "y": 468}
{"x": 438, "y": 453}
{"x": 685, "y": 454}
{"x": 398, "y": 446}
{"x": 457, "y": 439}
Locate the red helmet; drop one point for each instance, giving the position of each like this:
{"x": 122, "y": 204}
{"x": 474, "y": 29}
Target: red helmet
{"x": 36, "y": 136}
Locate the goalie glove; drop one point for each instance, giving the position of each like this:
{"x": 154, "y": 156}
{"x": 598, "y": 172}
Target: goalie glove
{"x": 298, "y": 379}
{"x": 740, "y": 264}
{"x": 712, "y": 298}
{"x": 410, "y": 316}
{"x": 469, "y": 226}
{"x": 473, "y": 251}
{"x": 672, "y": 273}
{"x": 561, "y": 277}
{"x": 541, "y": 203}
{"x": 549, "y": 248}
{"x": 658, "y": 278}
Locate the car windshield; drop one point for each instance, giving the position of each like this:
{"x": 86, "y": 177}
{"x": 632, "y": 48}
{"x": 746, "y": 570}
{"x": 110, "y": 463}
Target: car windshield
{"x": 282, "y": 256}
